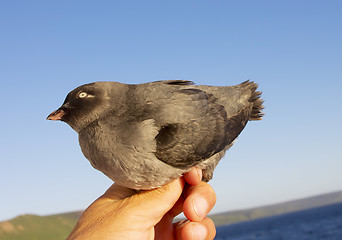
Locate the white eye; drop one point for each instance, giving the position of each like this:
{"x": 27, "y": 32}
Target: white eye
{"x": 82, "y": 94}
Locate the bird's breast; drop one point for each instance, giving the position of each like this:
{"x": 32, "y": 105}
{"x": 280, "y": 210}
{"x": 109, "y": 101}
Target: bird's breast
{"x": 129, "y": 164}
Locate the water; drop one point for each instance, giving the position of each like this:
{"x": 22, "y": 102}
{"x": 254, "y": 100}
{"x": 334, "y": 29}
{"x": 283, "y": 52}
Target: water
{"x": 323, "y": 223}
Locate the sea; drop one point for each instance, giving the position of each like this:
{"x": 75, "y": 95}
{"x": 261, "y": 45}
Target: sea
{"x": 322, "y": 223}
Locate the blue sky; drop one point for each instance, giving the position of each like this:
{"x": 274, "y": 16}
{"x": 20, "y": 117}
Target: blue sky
{"x": 291, "y": 48}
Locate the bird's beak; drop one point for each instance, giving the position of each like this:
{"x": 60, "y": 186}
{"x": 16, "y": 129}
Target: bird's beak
{"x": 56, "y": 115}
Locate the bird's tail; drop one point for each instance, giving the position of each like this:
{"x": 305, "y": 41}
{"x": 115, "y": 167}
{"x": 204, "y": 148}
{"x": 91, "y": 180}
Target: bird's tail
{"x": 255, "y": 99}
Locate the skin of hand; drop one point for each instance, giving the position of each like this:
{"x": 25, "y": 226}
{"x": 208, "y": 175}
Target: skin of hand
{"x": 123, "y": 213}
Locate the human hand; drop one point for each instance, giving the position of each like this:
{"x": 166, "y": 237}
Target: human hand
{"x": 122, "y": 213}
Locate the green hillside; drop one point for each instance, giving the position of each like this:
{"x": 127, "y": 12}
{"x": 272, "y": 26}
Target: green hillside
{"x": 33, "y": 227}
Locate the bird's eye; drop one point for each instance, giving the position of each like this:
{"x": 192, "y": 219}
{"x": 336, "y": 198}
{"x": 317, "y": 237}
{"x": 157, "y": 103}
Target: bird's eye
{"x": 82, "y": 94}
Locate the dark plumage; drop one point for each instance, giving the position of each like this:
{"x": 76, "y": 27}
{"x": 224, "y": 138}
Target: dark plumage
{"x": 144, "y": 136}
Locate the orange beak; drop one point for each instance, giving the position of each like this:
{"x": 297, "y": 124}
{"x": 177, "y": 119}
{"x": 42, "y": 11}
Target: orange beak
{"x": 56, "y": 115}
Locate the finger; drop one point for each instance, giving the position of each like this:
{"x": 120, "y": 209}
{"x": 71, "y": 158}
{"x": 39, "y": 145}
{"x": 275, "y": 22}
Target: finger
{"x": 187, "y": 230}
{"x": 199, "y": 201}
{"x": 194, "y": 176}
{"x": 178, "y": 228}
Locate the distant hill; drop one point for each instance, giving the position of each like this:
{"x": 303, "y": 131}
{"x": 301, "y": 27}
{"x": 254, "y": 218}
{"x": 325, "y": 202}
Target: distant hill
{"x": 276, "y": 209}
{"x": 33, "y": 227}
{"x": 58, "y": 227}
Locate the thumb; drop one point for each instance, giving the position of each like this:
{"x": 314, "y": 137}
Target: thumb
{"x": 154, "y": 204}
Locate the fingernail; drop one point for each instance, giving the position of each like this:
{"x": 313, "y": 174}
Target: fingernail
{"x": 199, "y": 232}
{"x": 200, "y": 207}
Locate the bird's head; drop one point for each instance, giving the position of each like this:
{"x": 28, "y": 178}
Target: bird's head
{"x": 83, "y": 105}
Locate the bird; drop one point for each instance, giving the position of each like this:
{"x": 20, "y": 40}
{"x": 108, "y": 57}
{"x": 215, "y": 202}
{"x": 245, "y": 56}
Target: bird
{"x": 143, "y": 136}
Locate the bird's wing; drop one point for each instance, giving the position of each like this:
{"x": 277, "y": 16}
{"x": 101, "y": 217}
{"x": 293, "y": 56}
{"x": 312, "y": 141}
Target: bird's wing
{"x": 193, "y": 127}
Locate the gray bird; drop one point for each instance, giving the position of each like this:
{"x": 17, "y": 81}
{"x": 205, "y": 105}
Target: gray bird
{"x": 145, "y": 135}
